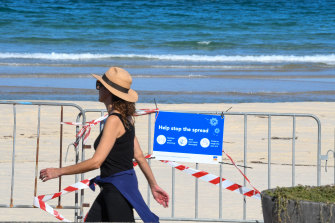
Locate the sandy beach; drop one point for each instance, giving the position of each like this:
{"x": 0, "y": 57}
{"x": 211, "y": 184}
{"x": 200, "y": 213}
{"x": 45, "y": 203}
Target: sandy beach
{"x": 257, "y": 157}
{"x": 270, "y": 59}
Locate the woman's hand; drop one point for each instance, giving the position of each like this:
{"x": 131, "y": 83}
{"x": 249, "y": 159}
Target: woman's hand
{"x": 49, "y": 173}
{"x": 160, "y": 195}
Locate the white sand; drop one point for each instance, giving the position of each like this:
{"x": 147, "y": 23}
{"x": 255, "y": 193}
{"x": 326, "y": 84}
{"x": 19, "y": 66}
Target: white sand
{"x": 257, "y": 157}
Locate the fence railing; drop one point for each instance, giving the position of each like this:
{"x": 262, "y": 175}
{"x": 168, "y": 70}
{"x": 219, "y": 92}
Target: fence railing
{"x": 245, "y": 116}
{"x": 79, "y": 203}
{"x": 12, "y": 184}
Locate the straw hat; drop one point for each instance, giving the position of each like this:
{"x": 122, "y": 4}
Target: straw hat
{"x": 118, "y": 82}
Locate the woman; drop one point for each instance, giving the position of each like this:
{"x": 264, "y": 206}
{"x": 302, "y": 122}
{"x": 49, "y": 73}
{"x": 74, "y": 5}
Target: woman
{"x": 115, "y": 148}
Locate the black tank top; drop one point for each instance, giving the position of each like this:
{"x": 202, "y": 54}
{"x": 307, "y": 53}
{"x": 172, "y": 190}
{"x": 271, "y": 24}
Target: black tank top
{"x": 121, "y": 155}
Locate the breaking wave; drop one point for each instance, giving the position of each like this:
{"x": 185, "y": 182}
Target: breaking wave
{"x": 325, "y": 59}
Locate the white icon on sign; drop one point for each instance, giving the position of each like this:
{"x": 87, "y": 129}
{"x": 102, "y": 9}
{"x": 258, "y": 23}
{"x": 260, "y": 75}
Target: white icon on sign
{"x": 204, "y": 142}
{"x": 161, "y": 139}
{"x": 182, "y": 141}
{"x": 213, "y": 121}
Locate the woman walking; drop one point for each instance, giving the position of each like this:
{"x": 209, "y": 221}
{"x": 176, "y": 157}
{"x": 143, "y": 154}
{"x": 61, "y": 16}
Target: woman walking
{"x": 115, "y": 148}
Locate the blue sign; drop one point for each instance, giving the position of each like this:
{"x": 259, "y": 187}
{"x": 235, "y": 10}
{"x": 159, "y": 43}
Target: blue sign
{"x": 188, "y": 137}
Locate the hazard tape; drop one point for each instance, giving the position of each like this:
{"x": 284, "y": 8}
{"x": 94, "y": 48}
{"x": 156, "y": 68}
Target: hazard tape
{"x": 86, "y": 129}
{"x": 41, "y": 200}
{"x": 213, "y": 179}
{"x": 245, "y": 177}
{"x": 84, "y": 132}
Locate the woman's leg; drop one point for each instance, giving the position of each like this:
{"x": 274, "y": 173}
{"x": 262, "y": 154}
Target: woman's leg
{"x": 117, "y": 207}
{"x": 97, "y": 212}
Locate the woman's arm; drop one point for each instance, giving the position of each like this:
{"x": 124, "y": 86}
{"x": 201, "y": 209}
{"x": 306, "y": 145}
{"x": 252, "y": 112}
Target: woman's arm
{"x": 113, "y": 129}
{"x": 158, "y": 193}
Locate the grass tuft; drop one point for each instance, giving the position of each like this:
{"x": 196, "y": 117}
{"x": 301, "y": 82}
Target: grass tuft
{"x": 323, "y": 194}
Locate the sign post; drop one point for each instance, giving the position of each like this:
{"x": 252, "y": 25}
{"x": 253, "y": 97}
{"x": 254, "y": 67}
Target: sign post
{"x": 188, "y": 137}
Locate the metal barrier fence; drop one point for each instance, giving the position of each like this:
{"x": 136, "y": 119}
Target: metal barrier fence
{"x": 39, "y": 104}
{"x": 79, "y": 203}
{"x": 245, "y": 116}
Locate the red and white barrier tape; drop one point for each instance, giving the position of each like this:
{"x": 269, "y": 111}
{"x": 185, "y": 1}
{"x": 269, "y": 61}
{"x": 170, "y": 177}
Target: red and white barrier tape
{"x": 41, "y": 200}
{"x": 245, "y": 177}
{"x": 86, "y": 129}
{"x": 213, "y": 179}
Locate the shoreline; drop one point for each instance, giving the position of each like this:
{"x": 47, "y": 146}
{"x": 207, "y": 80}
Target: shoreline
{"x": 169, "y": 96}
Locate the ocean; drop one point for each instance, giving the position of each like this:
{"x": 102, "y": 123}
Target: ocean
{"x": 192, "y": 51}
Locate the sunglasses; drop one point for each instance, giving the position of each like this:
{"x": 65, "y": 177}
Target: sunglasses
{"x": 98, "y": 85}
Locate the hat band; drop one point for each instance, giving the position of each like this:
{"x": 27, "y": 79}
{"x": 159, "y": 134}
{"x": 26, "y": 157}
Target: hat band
{"x": 116, "y": 86}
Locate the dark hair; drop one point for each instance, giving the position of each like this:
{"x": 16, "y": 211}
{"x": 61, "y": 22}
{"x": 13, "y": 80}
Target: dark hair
{"x": 126, "y": 109}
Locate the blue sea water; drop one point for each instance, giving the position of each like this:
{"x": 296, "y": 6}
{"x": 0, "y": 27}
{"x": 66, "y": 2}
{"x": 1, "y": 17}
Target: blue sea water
{"x": 198, "y": 51}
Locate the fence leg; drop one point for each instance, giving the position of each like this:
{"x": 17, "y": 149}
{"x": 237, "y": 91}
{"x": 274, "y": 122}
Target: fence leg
{"x": 76, "y": 196}
{"x": 82, "y": 175}
{"x": 269, "y": 152}
{"x": 13, "y": 158}
{"x": 319, "y": 153}
{"x": 60, "y": 155}
{"x": 196, "y": 203}
{"x": 220, "y": 193}
{"x": 37, "y": 148}
{"x": 293, "y": 153}
{"x": 245, "y": 158}
{"x": 173, "y": 192}
{"x": 149, "y": 152}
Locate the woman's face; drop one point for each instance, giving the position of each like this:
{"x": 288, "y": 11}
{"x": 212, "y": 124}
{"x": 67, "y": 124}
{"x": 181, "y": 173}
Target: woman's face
{"x": 104, "y": 94}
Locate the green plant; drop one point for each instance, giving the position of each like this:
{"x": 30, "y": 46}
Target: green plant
{"x": 325, "y": 195}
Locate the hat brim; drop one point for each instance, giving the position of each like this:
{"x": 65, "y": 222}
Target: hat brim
{"x": 131, "y": 96}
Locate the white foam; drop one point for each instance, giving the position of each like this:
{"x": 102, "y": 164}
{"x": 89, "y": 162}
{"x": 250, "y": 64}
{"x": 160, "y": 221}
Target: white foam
{"x": 204, "y": 42}
{"x": 327, "y": 59}
{"x": 53, "y": 56}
